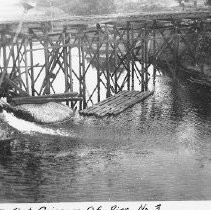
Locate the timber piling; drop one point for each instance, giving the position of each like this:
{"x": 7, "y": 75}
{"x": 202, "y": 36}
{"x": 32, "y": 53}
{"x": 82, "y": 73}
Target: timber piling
{"x": 118, "y": 49}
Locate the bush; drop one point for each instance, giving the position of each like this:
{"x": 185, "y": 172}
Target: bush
{"x": 84, "y": 7}
{"x": 208, "y": 2}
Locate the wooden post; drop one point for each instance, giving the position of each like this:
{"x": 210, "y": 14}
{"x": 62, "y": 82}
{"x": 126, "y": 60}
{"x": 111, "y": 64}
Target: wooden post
{"x": 146, "y": 59}
{"x": 176, "y": 52}
{"x": 107, "y": 66}
{"x": 13, "y": 71}
{"x": 65, "y": 60}
{"x": 32, "y": 67}
{"x": 80, "y": 72}
{"x": 83, "y": 75}
{"x": 70, "y": 69}
{"x": 26, "y": 65}
{"x": 115, "y": 60}
{"x": 142, "y": 61}
{"x": 133, "y": 61}
{"x": 71, "y": 74}
{"x": 154, "y": 58}
{"x": 98, "y": 61}
{"x": 46, "y": 52}
{"x": 4, "y": 53}
{"x": 128, "y": 55}
{"x": 6, "y": 63}
{"x": 19, "y": 65}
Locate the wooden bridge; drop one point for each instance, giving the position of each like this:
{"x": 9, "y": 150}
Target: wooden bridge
{"x": 96, "y": 57}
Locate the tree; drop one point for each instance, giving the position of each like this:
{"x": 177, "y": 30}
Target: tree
{"x": 81, "y": 7}
{"x": 208, "y": 2}
{"x": 89, "y": 7}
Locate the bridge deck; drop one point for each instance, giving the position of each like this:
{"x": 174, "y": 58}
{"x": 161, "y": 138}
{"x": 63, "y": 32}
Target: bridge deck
{"x": 89, "y": 21}
{"x": 116, "y": 104}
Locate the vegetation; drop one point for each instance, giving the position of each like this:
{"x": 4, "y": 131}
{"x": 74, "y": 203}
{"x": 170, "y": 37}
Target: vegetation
{"x": 208, "y": 2}
{"x": 81, "y": 7}
{"x": 98, "y": 7}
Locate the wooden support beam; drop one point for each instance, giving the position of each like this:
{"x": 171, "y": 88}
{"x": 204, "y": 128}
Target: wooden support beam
{"x": 80, "y": 72}
{"x": 19, "y": 64}
{"x": 47, "y": 66}
{"x": 132, "y": 60}
{"x": 145, "y": 60}
{"x": 83, "y": 75}
{"x": 70, "y": 69}
{"x": 34, "y": 100}
{"x": 176, "y": 52}
{"x": 6, "y": 61}
{"x": 32, "y": 67}
{"x": 98, "y": 62}
{"x": 58, "y": 95}
{"x": 3, "y": 39}
{"x": 142, "y": 63}
{"x": 115, "y": 60}
{"x": 154, "y": 58}
{"x": 15, "y": 86}
{"x": 107, "y": 66}
{"x": 128, "y": 55}
{"x": 65, "y": 60}
{"x": 26, "y": 65}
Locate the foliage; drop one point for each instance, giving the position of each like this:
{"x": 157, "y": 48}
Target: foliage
{"x": 208, "y": 2}
{"x": 81, "y": 7}
{"x": 98, "y": 7}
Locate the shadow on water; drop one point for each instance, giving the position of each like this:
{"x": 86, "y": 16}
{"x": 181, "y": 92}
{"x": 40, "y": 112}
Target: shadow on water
{"x": 157, "y": 150}
{"x": 22, "y": 163}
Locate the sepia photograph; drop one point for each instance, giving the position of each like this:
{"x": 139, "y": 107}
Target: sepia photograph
{"x": 105, "y": 101}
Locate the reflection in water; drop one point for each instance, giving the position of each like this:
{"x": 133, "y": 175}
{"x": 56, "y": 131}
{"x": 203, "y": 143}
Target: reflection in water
{"x": 157, "y": 150}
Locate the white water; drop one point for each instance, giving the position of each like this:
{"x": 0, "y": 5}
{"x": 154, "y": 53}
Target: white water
{"x": 30, "y": 127}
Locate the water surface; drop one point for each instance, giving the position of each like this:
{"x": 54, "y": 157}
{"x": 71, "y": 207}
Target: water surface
{"x": 157, "y": 150}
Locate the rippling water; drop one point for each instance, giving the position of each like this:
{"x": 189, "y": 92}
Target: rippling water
{"x": 157, "y": 150}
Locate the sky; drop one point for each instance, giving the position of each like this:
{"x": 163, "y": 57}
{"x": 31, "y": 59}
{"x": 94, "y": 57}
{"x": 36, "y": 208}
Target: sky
{"x": 10, "y": 9}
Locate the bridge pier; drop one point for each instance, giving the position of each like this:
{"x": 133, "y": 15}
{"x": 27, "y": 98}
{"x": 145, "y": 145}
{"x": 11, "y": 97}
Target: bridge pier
{"x": 98, "y": 58}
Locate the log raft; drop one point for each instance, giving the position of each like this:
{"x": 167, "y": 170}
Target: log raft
{"x": 116, "y": 104}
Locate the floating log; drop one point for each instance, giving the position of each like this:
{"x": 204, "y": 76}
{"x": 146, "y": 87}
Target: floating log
{"x": 116, "y": 104}
{"x": 70, "y": 96}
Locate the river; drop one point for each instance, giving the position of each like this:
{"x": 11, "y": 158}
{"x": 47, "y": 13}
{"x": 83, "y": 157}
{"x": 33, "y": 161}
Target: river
{"x": 156, "y": 150}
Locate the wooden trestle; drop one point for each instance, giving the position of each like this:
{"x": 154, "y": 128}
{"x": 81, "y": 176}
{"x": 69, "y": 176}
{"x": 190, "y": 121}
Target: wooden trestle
{"x": 116, "y": 50}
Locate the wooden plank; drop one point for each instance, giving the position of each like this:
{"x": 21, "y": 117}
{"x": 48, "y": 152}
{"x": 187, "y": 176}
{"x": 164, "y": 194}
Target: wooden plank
{"x": 116, "y": 107}
{"x": 106, "y": 101}
{"x": 108, "y": 107}
{"x": 117, "y": 103}
{"x": 58, "y": 95}
{"x": 137, "y": 100}
{"x": 46, "y": 100}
